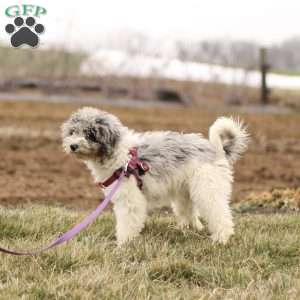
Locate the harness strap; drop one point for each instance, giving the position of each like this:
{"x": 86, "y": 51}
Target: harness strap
{"x": 135, "y": 167}
{"x": 109, "y": 181}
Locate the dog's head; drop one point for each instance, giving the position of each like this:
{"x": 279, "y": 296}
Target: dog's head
{"x": 91, "y": 133}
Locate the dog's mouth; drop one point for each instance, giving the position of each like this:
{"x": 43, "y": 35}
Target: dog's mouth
{"x": 80, "y": 152}
{"x": 79, "y": 155}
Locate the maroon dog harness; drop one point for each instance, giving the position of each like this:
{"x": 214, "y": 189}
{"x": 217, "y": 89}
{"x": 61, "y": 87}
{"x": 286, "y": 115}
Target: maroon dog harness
{"x": 135, "y": 167}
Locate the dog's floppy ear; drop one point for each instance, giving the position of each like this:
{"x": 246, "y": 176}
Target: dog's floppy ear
{"x": 107, "y": 136}
{"x": 101, "y": 127}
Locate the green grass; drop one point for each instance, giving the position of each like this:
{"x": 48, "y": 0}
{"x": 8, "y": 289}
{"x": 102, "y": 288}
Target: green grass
{"x": 260, "y": 262}
{"x": 286, "y": 72}
{"x": 55, "y": 62}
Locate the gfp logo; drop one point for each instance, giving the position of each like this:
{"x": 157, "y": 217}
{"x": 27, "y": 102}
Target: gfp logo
{"x": 25, "y": 30}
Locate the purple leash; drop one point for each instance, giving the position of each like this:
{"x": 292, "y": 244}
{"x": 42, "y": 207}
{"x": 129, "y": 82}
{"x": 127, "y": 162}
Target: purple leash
{"x": 77, "y": 228}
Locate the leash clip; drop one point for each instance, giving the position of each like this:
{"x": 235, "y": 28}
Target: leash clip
{"x": 126, "y": 166}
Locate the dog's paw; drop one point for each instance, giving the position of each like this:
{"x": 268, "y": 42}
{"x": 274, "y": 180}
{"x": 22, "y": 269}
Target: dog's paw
{"x": 222, "y": 236}
{"x": 183, "y": 224}
{"x": 197, "y": 224}
{"x": 120, "y": 244}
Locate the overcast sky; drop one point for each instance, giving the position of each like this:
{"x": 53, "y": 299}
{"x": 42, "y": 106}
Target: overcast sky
{"x": 84, "y": 23}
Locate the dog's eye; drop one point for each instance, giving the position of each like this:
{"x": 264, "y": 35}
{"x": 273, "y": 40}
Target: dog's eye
{"x": 91, "y": 135}
{"x": 71, "y": 132}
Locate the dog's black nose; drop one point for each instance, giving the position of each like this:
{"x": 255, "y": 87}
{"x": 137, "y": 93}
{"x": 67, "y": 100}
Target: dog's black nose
{"x": 74, "y": 147}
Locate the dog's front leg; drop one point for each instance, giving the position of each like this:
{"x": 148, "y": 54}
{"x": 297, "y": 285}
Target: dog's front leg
{"x": 130, "y": 208}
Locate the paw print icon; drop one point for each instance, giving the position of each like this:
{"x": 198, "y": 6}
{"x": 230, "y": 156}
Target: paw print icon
{"x": 24, "y": 33}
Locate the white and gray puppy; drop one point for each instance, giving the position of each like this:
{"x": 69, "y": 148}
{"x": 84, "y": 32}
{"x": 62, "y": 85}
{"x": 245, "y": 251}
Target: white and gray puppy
{"x": 187, "y": 172}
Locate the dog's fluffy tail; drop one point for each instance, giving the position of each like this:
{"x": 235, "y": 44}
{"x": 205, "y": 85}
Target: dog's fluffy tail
{"x": 229, "y": 137}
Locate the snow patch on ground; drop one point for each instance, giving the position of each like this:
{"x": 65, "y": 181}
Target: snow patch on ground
{"x": 118, "y": 63}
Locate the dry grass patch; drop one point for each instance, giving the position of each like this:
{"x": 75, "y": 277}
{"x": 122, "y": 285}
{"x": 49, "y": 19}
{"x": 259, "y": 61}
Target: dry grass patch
{"x": 260, "y": 262}
{"x": 274, "y": 200}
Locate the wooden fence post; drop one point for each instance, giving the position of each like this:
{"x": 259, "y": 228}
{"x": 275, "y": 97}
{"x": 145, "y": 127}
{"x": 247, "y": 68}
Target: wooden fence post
{"x": 264, "y": 67}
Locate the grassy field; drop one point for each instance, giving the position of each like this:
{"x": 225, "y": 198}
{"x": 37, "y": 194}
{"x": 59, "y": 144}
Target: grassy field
{"x": 38, "y": 181}
{"x": 260, "y": 262}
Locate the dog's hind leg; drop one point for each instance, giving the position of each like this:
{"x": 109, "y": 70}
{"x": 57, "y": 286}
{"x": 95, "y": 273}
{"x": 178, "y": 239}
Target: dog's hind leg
{"x": 130, "y": 208}
{"x": 210, "y": 190}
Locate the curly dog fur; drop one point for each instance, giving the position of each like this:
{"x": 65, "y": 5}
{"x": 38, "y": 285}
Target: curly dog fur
{"x": 188, "y": 172}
